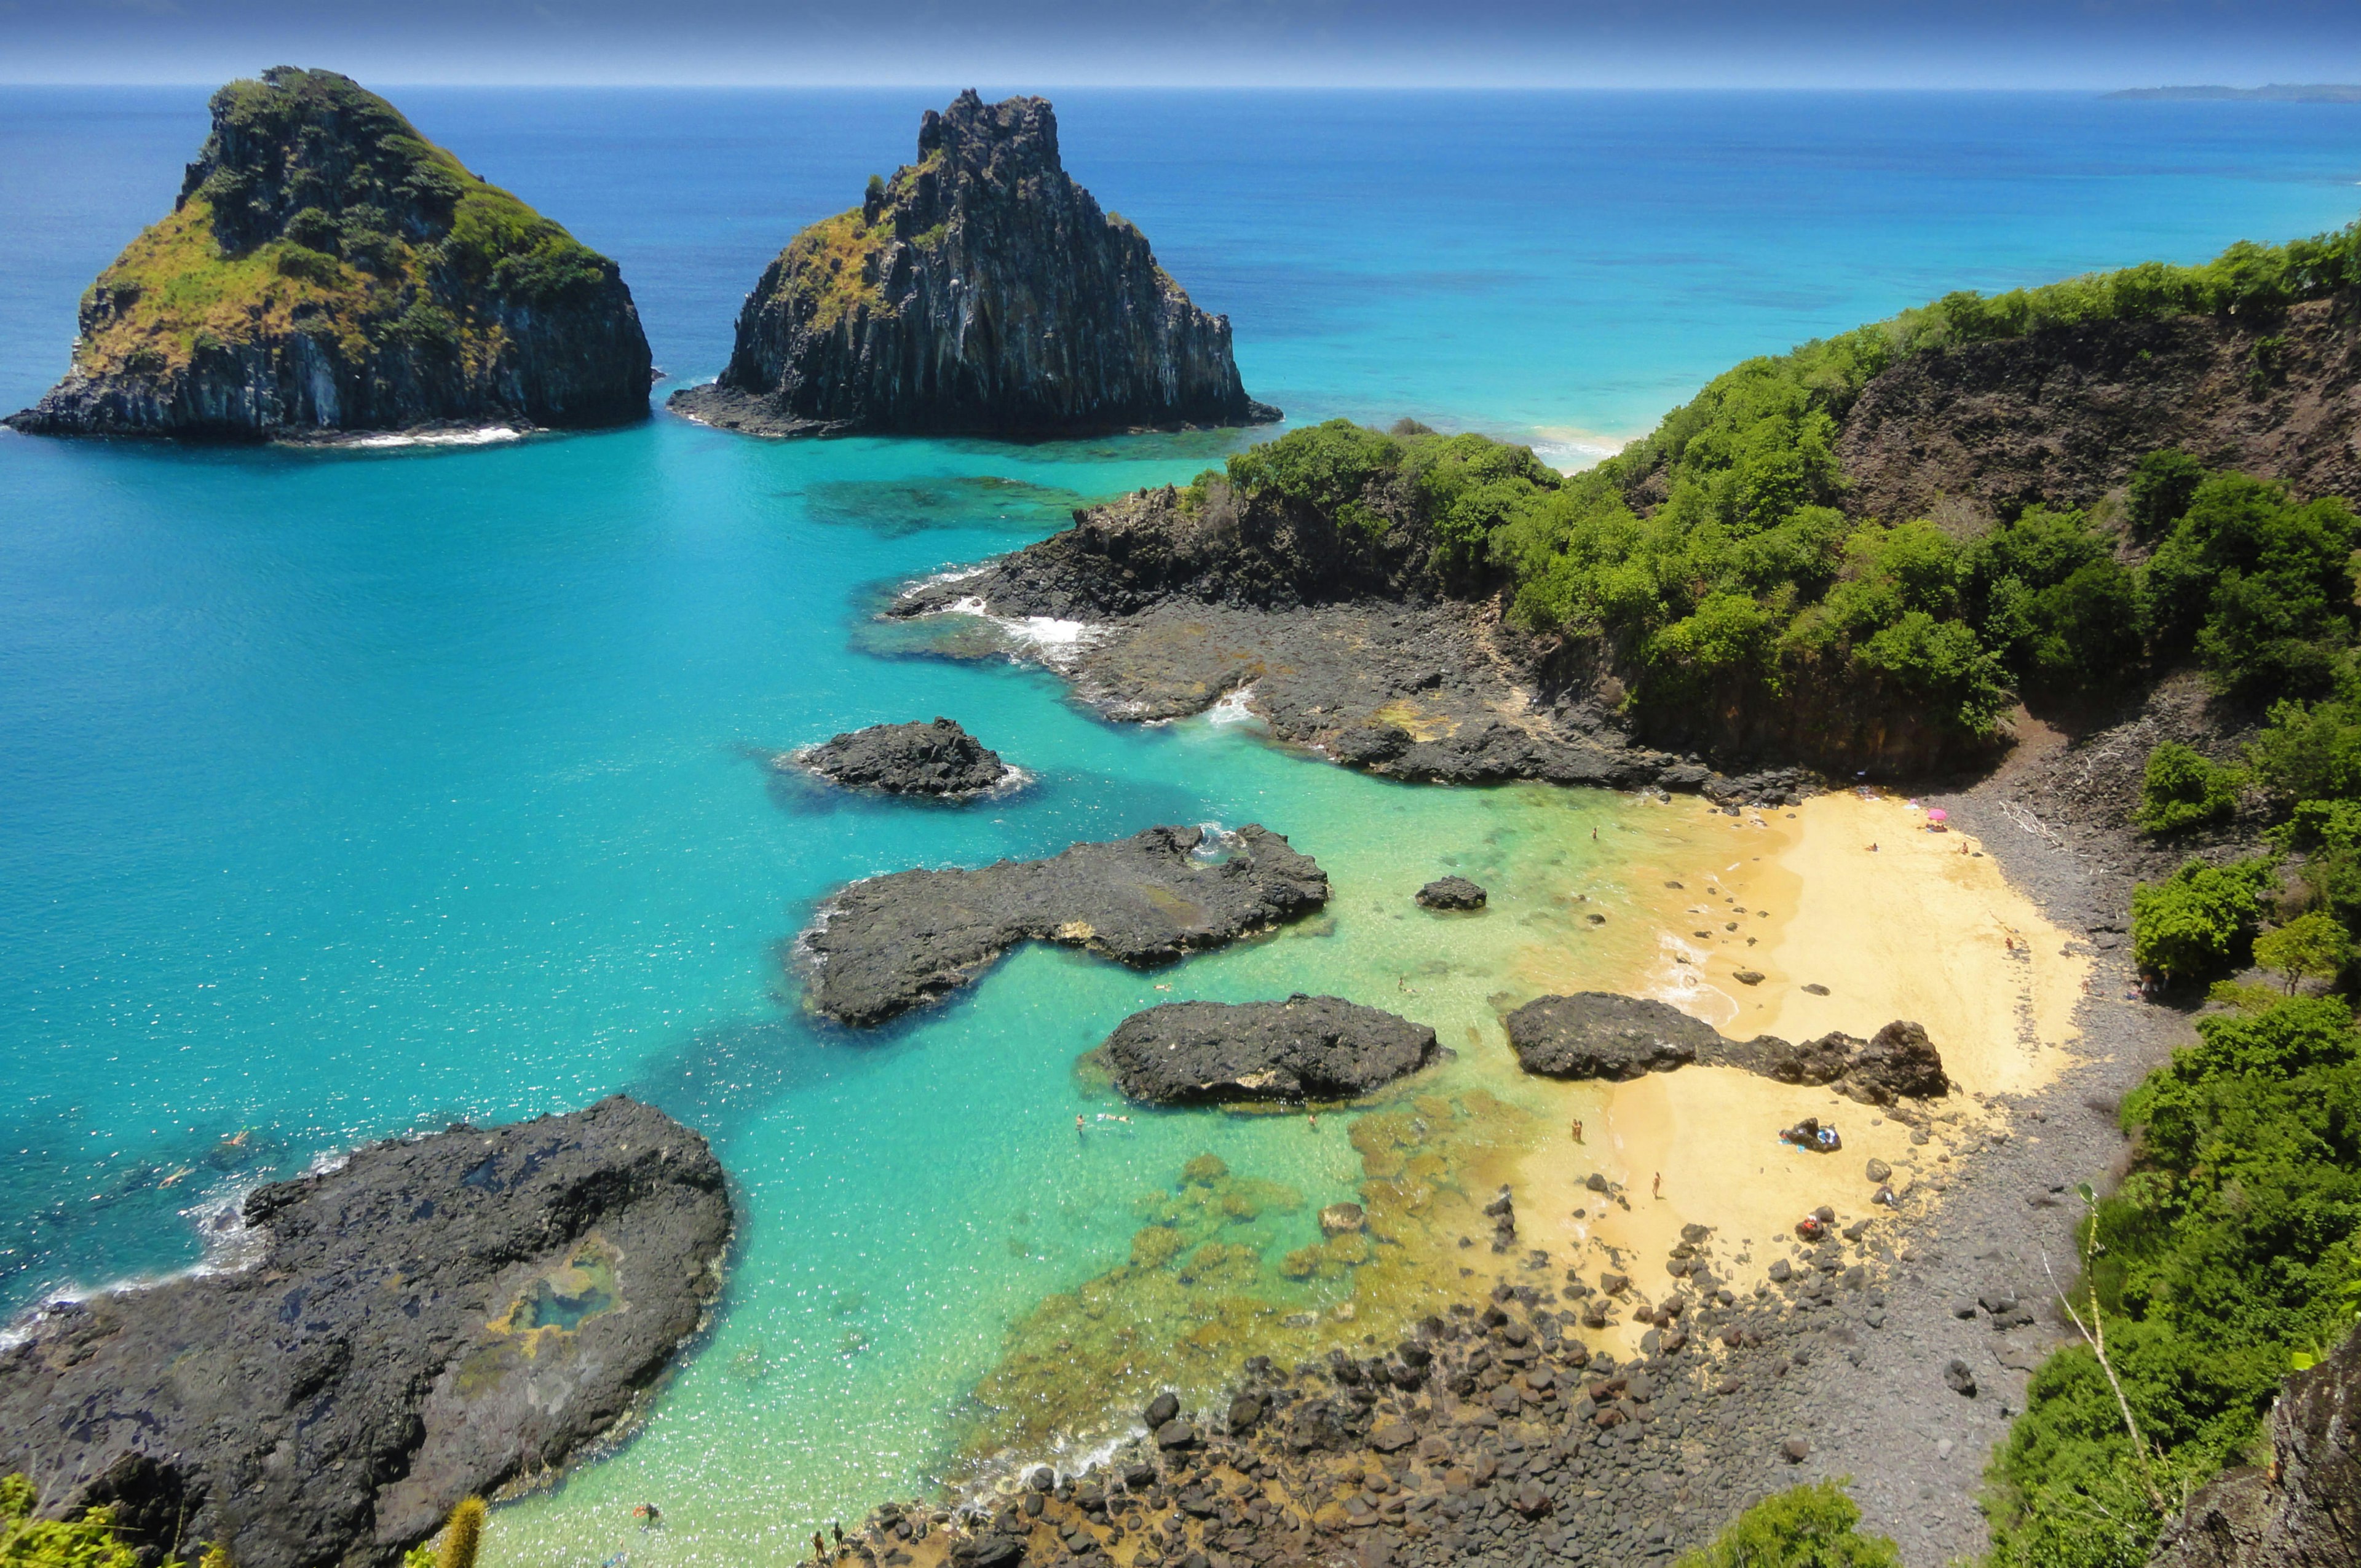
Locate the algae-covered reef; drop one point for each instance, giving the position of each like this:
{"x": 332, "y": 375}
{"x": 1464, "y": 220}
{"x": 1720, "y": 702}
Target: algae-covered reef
{"x": 978, "y": 291}
{"x": 326, "y": 269}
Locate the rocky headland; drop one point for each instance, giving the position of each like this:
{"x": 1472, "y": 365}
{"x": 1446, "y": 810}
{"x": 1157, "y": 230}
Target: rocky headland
{"x": 1306, "y": 1048}
{"x": 326, "y": 271}
{"x": 422, "y": 1321}
{"x": 940, "y": 759}
{"x": 1599, "y": 1034}
{"x": 884, "y": 945}
{"x": 979, "y": 291}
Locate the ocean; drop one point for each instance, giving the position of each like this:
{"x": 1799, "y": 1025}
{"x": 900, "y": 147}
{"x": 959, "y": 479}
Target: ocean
{"x": 350, "y": 794}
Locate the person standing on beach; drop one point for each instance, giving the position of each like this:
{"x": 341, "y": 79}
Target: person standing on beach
{"x": 1658, "y": 1191}
{"x": 1577, "y": 1129}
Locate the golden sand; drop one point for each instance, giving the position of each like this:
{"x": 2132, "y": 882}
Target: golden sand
{"x": 1912, "y": 929}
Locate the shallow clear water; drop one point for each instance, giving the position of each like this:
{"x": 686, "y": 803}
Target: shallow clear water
{"x": 348, "y": 793}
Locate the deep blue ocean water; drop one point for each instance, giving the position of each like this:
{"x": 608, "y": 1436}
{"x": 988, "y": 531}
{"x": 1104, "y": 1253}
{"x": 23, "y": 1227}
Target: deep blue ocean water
{"x": 344, "y": 793}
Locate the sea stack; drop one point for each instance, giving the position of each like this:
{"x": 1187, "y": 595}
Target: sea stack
{"x": 980, "y": 291}
{"x": 328, "y": 270}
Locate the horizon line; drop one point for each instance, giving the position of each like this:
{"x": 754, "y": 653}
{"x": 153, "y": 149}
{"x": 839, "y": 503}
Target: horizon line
{"x": 1133, "y": 84}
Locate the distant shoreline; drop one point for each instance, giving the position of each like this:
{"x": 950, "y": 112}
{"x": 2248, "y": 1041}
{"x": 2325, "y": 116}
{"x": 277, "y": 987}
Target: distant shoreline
{"x": 2277, "y": 92}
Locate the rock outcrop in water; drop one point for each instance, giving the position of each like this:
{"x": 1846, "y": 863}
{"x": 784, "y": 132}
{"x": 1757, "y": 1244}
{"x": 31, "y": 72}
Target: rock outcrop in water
{"x": 1306, "y": 1048}
{"x": 883, "y": 946}
{"x": 938, "y": 759}
{"x": 1595, "y": 1033}
{"x": 425, "y": 1321}
{"x": 328, "y": 270}
{"x": 979, "y": 291}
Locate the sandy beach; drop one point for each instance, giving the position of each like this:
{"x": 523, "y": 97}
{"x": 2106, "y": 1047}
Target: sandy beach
{"x": 1914, "y": 929}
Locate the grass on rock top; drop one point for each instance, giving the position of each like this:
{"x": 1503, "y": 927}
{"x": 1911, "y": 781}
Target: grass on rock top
{"x": 401, "y": 246}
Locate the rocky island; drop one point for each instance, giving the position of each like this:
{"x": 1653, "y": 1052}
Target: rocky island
{"x": 422, "y": 1321}
{"x": 979, "y": 291}
{"x": 940, "y": 759}
{"x": 883, "y": 946}
{"x": 1306, "y": 1048}
{"x": 326, "y": 269}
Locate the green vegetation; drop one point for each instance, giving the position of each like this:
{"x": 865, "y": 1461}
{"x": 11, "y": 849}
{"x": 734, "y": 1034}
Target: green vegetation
{"x": 315, "y": 198}
{"x": 1804, "y": 1527}
{"x": 2183, "y": 790}
{"x": 89, "y": 1542}
{"x": 1714, "y": 557}
{"x": 2226, "y": 1255}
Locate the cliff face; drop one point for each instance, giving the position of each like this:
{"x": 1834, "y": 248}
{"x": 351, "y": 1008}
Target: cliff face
{"x": 326, "y": 270}
{"x": 2061, "y": 415}
{"x": 2304, "y": 1509}
{"x": 979, "y": 291}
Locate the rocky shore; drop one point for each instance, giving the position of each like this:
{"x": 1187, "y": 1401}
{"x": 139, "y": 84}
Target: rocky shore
{"x": 883, "y": 946}
{"x": 422, "y": 1321}
{"x": 940, "y": 760}
{"x": 1306, "y": 1048}
{"x": 978, "y": 291}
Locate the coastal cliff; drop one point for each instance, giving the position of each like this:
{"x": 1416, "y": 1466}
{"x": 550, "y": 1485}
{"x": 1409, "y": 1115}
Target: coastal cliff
{"x": 1858, "y": 557}
{"x": 328, "y": 270}
{"x": 422, "y": 1322}
{"x": 979, "y": 291}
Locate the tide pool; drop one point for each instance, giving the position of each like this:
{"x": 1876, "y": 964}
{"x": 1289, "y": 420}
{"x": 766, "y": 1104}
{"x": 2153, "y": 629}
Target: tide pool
{"x": 344, "y": 794}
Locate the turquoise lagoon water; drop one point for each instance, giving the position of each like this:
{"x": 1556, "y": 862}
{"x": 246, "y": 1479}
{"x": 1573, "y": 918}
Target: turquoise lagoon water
{"x": 342, "y": 794}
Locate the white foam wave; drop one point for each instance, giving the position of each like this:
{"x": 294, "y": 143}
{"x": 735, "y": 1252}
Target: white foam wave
{"x": 489, "y": 435}
{"x": 1232, "y": 709}
{"x": 1046, "y": 638}
{"x": 1680, "y": 981}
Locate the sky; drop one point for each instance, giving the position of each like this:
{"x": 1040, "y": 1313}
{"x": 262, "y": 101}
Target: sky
{"x": 1343, "y": 43}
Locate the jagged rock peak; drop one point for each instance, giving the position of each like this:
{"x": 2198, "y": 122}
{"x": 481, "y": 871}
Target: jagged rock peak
{"x": 979, "y": 291}
{"x": 326, "y": 269}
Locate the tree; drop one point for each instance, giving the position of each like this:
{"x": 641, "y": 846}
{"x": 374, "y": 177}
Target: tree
{"x": 2310, "y": 947}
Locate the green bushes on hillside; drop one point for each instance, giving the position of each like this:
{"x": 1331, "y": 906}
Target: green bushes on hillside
{"x": 2223, "y": 1256}
{"x": 1713, "y": 555}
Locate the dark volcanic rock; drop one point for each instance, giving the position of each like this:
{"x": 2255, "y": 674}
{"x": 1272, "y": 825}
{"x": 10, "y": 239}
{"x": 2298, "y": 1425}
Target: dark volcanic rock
{"x": 2062, "y": 414}
{"x": 886, "y": 944}
{"x": 2301, "y": 1512}
{"x": 425, "y": 1322}
{"x": 1452, "y": 893}
{"x": 328, "y": 269}
{"x": 1306, "y": 1048}
{"x": 906, "y": 759}
{"x": 979, "y": 291}
{"x": 1597, "y": 1035}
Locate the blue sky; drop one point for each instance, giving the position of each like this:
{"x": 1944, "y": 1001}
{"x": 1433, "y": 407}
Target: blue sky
{"x": 1637, "y": 43}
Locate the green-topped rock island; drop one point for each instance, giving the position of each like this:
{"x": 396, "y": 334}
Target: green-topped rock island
{"x": 328, "y": 271}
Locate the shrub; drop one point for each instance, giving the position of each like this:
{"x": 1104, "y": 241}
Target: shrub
{"x": 2259, "y": 586}
{"x": 2162, "y": 486}
{"x": 1325, "y": 468}
{"x": 312, "y": 265}
{"x": 2182, "y": 790}
{"x": 2310, "y": 947}
{"x": 2221, "y": 1255}
{"x": 2196, "y": 923}
{"x": 1804, "y": 1527}
{"x": 26, "y": 1541}
{"x": 2309, "y": 753}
